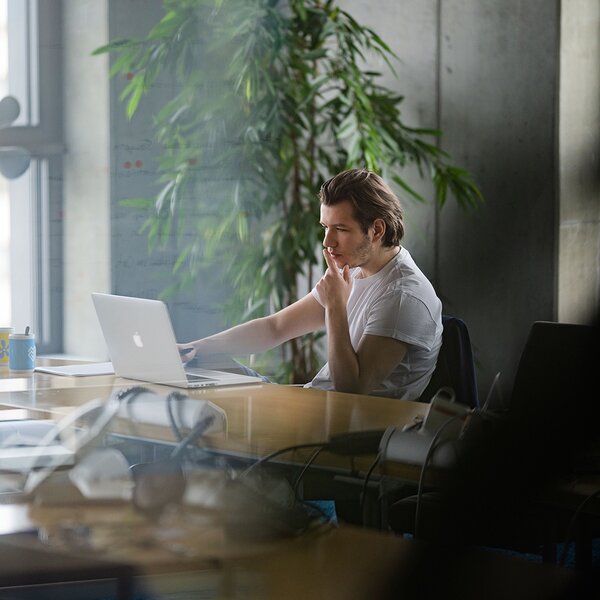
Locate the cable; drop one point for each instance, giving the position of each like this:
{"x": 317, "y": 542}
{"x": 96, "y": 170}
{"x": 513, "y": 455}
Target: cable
{"x": 195, "y": 434}
{"x": 351, "y": 443}
{"x": 491, "y": 390}
{"x": 129, "y": 395}
{"x": 363, "y": 492}
{"x": 309, "y": 462}
{"x": 174, "y": 426}
{"x": 268, "y": 457}
{"x": 573, "y": 522}
{"x": 428, "y": 456}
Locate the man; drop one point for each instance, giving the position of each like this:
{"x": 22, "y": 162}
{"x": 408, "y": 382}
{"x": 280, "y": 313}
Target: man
{"x": 381, "y": 314}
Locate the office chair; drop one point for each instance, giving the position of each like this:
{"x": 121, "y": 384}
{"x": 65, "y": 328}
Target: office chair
{"x": 455, "y": 367}
{"x": 493, "y": 497}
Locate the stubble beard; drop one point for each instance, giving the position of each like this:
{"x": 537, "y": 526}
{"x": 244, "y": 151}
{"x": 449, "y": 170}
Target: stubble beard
{"x": 363, "y": 253}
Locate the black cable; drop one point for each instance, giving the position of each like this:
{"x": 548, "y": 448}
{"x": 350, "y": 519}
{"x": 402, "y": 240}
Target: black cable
{"x": 129, "y": 395}
{"x": 363, "y": 492}
{"x": 308, "y": 463}
{"x": 345, "y": 444}
{"x": 195, "y": 434}
{"x": 572, "y": 524}
{"x": 428, "y": 456}
{"x": 174, "y": 426}
{"x": 350, "y": 444}
{"x": 268, "y": 457}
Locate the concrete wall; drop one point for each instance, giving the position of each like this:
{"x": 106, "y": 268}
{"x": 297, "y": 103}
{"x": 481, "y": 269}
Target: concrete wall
{"x": 498, "y": 95}
{"x": 410, "y": 28}
{"x": 579, "y": 153}
{"x": 485, "y": 73}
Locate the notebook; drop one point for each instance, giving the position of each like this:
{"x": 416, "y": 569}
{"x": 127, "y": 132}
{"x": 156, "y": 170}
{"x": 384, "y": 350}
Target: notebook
{"x": 142, "y": 345}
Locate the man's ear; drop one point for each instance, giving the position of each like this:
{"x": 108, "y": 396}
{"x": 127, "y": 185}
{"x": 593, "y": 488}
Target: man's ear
{"x": 378, "y": 228}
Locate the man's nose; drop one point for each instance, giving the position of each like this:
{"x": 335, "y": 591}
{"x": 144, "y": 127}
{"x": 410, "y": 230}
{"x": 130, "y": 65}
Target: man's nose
{"x": 328, "y": 240}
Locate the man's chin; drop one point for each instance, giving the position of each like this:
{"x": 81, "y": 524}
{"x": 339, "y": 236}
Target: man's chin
{"x": 340, "y": 264}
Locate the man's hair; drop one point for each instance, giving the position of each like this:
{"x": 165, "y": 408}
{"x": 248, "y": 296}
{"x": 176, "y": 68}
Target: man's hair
{"x": 372, "y": 199}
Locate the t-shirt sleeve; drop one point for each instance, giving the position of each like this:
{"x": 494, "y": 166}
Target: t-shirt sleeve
{"x": 316, "y": 296}
{"x": 403, "y": 317}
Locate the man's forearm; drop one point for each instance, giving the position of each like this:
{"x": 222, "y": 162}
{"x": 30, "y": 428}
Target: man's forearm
{"x": 254, "y": 336}
{"x": 343, "y": 361}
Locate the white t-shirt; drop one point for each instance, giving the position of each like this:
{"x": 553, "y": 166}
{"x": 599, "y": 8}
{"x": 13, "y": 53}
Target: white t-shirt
{"x": 397, "y": 302}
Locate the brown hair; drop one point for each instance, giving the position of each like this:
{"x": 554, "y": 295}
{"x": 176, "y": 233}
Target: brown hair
{"x": 372, "y": 199}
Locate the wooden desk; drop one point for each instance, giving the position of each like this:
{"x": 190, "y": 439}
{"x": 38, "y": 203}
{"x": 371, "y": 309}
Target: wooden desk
{"x": 261, "y": 418}
{"x": 345, "y": 563}
{"x": 331, "y": 563}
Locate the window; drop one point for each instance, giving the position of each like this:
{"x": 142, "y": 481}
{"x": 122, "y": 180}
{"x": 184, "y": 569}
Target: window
{"x": 30, "y": 162}
{"x": 5, "y": 312}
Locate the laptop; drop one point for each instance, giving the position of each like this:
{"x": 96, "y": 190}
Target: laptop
{"x": 142, "y": 345}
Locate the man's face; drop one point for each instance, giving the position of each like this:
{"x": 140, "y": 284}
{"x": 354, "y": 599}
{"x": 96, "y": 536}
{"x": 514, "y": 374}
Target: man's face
{"x": 344, "y": 240}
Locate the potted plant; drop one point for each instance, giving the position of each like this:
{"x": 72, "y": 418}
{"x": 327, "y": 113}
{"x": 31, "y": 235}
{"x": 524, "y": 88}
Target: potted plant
{"x": 272, "y": 98}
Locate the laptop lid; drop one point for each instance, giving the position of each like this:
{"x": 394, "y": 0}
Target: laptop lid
{"x": 142, "y": 345}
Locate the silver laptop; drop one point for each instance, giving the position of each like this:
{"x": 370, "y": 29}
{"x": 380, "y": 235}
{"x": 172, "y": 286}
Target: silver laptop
{"x": 141, "y": 344}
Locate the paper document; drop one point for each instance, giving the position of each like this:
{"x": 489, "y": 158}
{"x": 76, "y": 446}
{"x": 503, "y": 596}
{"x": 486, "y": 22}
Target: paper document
{"x": 82, "y": 370}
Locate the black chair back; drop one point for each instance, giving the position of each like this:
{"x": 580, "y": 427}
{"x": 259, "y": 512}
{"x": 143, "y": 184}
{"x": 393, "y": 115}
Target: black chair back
{"x": 455, "y": 366}
{"x": 555, "y": 362}
{"x": 554, "y": 402}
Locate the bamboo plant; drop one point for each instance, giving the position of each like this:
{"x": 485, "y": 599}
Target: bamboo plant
{"x": 270, "y": 99}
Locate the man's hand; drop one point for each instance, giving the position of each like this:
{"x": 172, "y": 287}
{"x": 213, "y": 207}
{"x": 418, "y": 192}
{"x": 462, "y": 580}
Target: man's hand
{"x": 187, "y": 352}
{"x": 335, "y": 285}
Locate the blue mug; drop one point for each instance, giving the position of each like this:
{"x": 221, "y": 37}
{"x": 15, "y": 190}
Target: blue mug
{"x": 21, "y": 352}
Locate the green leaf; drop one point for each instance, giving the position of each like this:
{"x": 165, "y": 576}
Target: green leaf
{"x": 134, "y": 100}
{"x": 407, "y": 188}
{"x": 115, "y": 45}
{"x": 143, "y": 203}
{"x": 347, "y": 127}
{"x": 315, "y": 54}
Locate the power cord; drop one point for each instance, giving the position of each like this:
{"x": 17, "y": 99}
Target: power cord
{"x": 276, "y": 453}
{"x": 351, "y": 444}
{"x": 307, "y": 465}
{"x": 195, "y": 434}
{"x": 363, "y": 493}
{"x": 174, "y": 426}
{"x": 345, "y": 444}
{"x": 128, "y": 396}
{"x": 428, "y": 456}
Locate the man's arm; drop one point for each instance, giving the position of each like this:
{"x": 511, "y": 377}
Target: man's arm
{"x": 376, "y": 356}
{"x": 362, "y": 371}
{"x": 258, "y": 335}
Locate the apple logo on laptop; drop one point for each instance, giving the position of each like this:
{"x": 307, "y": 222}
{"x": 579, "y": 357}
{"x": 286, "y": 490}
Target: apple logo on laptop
{"x": 137, "y": 340}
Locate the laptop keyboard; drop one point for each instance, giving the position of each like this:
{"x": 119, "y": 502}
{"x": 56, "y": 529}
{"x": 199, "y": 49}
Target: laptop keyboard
{"x": 193, "y": 377}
